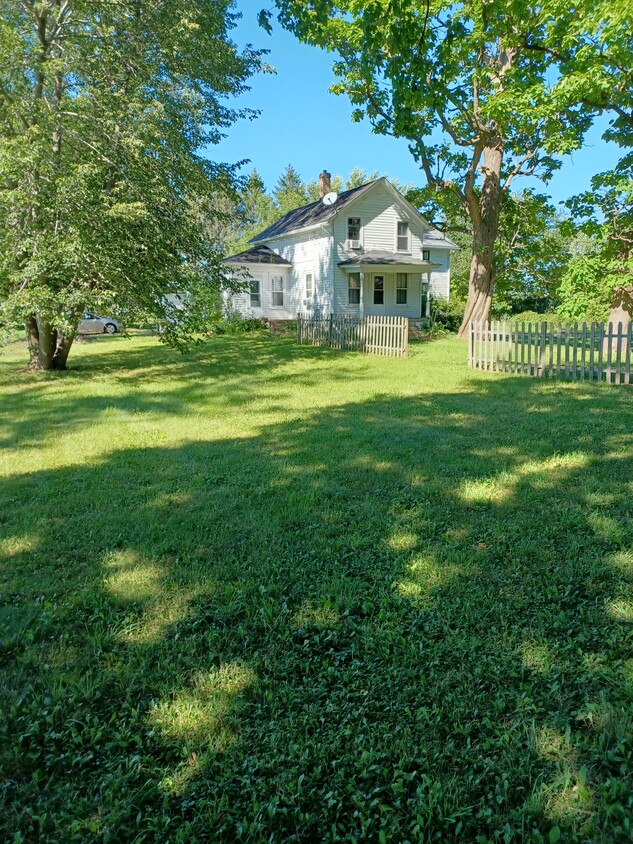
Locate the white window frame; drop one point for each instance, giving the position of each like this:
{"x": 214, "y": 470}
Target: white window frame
{"x": 355, "y": 287}
{"x": 426, "y": 254}
{"x": 399, "y": 236}
{"x": 255, "y": 292}
{"x": 402, "y": 277}
{"x": 360, "y": 229}
{"x": 280, "y": 291}
{"x": 310, "y": 289}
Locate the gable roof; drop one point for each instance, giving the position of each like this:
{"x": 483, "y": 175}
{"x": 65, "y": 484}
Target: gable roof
{"x": 312, "y": 214}
{"x": 434, "y": 237}
{"x": 316, "y": 213}
{"x": 257, "y": 255}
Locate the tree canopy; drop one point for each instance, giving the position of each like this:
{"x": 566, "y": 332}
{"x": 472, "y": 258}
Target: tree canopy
{"x": 457, "y": 81}
{"x": 104, "y": 110}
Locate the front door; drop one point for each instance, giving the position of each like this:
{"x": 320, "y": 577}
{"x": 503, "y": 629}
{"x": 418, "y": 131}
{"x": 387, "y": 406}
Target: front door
{"x": 378, "y": 293}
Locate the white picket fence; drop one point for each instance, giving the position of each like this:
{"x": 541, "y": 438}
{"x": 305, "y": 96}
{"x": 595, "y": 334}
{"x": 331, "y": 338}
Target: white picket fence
{"x": 595, "y": 352}
{"x": 376, "y": 335}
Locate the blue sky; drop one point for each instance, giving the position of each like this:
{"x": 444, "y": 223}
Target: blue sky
{"x": 303, "y": 124}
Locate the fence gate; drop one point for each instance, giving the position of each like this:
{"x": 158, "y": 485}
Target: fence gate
{"x": 595, "y": 352}
{"x": 376, "y": 335}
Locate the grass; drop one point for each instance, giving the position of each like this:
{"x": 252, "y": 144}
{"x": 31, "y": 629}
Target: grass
{"x": 274, "y": 593}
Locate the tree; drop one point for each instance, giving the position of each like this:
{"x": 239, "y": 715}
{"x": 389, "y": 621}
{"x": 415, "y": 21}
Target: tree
{"x": 104, "y": 108}
{"x": 592, "y": 49}
{"x": 231, "y": 219}
{"x": 602, "y": 280}
{"x": 456, "y": 81}
{"x": 593, "y": 52}
{"x": 290, "y": 191}
{"x": 531, "y": 250}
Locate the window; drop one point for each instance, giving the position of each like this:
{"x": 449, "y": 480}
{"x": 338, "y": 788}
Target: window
{"x": 353, "y": 228}
{"x": 353, "y": 288}
{"x": 403, "y": 236}
{"x": 379, "y": 290}
{"x": 256, "y": 299}
{"x": 424, "y": 287}
{"x": 426, "y": 254}
{"x": 401, "y": 288}
{"x": 309, "y": 289}
{"x": 278, "y": 292}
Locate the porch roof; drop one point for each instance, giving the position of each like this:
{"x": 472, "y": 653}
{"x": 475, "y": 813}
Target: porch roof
{"x": 257, "y": 255}
{"x": 387, "y": 260}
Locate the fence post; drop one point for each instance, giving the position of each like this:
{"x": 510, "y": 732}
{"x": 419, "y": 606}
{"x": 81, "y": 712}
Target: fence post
{"x": 471, "y": 336}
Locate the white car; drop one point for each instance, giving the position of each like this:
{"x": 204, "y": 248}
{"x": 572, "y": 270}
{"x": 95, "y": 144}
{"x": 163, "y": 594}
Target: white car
{"x": 92, "y": 324}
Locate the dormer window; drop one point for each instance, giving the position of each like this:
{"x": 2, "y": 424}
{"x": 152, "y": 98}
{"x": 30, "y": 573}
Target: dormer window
{"x": 353, "y": 229}
{"x": 403, "y": 237}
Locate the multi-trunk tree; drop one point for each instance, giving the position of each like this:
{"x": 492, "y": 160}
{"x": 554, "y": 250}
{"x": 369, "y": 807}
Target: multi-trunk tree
{"x": 104, "y": 109}
{"x": 458, "y": 83}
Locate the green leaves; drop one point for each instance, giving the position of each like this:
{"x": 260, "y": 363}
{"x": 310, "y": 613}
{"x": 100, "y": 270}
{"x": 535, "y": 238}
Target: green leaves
{"x": 103, "y": 116}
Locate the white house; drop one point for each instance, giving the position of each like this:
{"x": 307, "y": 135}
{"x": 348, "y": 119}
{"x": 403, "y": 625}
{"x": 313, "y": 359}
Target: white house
{"x": 363, "y": 251}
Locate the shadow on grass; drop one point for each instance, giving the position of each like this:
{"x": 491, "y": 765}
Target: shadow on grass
{"x": 408, "y": 616}
{"x": 157, "y": 379}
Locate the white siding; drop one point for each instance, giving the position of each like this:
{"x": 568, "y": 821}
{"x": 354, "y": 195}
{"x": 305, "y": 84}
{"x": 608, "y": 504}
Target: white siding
{"x": 379, "y": 215}
{"x": 441, "y": 276}
{"x": 265, "y": 273}
{"x": 413, "y": 307}
{"x": 309, "y": 252}
{"x": 319, "y": 252}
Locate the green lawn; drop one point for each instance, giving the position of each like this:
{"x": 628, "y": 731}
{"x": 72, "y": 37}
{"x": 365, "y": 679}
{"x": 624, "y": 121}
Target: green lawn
{"x": 273, "y": 593}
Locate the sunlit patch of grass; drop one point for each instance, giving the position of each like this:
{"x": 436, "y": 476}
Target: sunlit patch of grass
{"x": 568, "y": 800}
{"x": 162, "y": 613}
{"x": 536, "y": 657}
{"x": 14, "y": 545}
{"x": 621, "y": 609}
{"x": 199, "y": 717}
{"x": 423, "y": 577}
{"x": 501, "y": 487}
{"x": 403, "y": 541}
{"x": 325, "y": 616}
{"x": 131, "y": 577}
{"x": 607, "y": 528}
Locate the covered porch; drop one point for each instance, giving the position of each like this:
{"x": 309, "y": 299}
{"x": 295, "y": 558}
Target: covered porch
{"x": 388, "y": 284}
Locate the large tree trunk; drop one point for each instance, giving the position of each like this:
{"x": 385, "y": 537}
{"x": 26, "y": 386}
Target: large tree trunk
{"x": 33, "y": 340}
{"x": 621, "y": 311}
{"x": 484, "y": 214}
{"x": 621, "y": 306}
{"x": 48, "y": 350}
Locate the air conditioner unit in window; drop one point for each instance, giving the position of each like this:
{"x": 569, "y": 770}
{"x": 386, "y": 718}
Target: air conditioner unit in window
{"x": 353, "y": 244}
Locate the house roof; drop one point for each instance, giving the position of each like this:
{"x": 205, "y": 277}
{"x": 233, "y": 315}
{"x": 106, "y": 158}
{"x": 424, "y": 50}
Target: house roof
{"x": 316, "y": 212}
{"x": 433, "y": 237}
{"x": 257, "y": 255}
{"x": 377, "y": 257}
{"x": 312, "y": 214}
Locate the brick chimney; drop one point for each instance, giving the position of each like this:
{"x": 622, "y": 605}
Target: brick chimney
{"x": 325, "y": 185}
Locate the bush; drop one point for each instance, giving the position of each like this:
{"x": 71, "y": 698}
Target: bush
{"x": 533, "y": 317}
{"x": 243, "y": 325}
{"x": 234, "y": 322}
{"x": 446, "y": 315}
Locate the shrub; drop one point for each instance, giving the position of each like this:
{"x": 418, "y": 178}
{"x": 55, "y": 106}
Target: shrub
{"x": 446, "y": 316}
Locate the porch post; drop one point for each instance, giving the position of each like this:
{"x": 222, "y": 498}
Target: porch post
{"x": 428, "y": 296}
{"x": 362, "y": 295}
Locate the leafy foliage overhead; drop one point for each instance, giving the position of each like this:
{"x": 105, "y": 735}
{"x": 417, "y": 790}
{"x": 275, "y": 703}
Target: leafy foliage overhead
{"x": 104, "y": 110}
